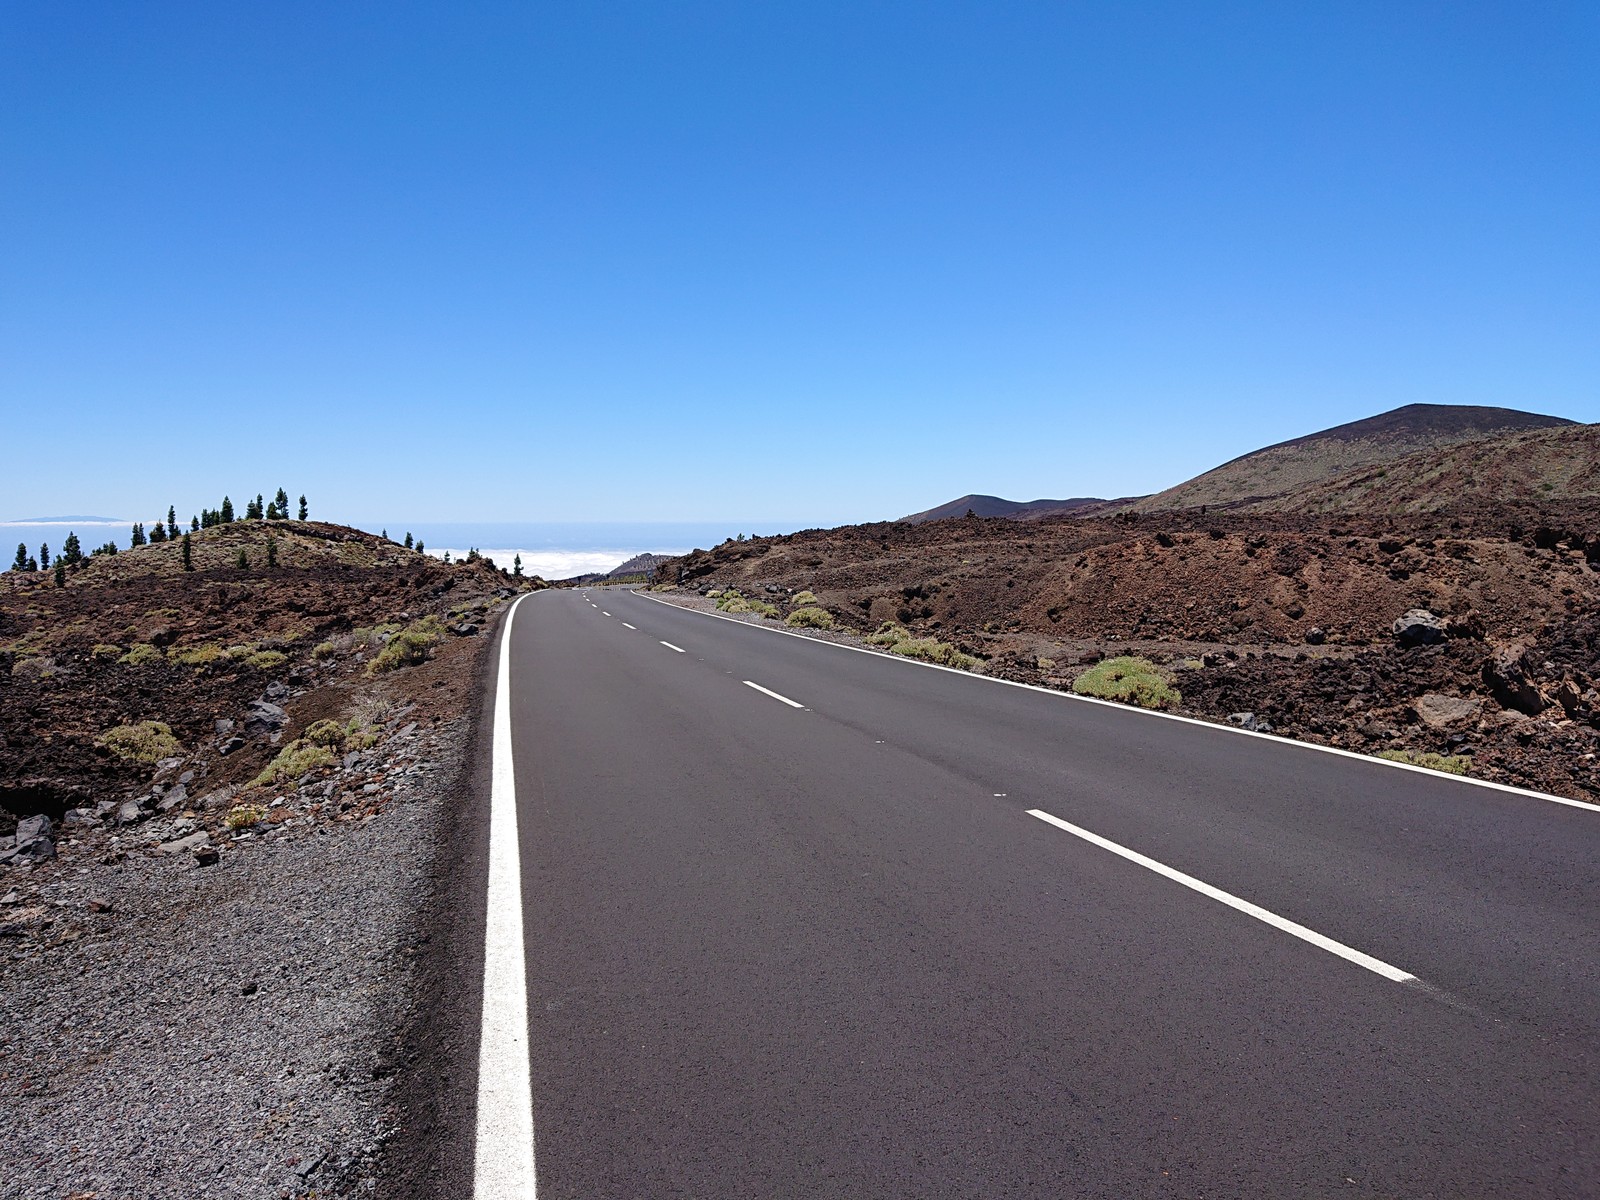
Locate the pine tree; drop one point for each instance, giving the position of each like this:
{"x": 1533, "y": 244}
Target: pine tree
{"x": 272, "y": 551}
{"x": 172, "y": 522}
{"x": 188, "y": 554}
{"x": 385, "y": 535}
{"x": 33, "y": 563}
{"x": 244, "y": 560}
{"x": 253, "y": 511}
{"x": 194, "y": 524}
{"x": 22, "y": 557}
{"x": 136, "y": 538}
{"x": 61, "y": 573}
{"x": 71, "y": 550}
{"x": 225, "y": 517}
{"x": 158, "y": 532}
{"x": 419, "y": 546}
{"x": 44, "y": 555}
{"x": 281, "y": 503}
{"x": 516, "y": 566}
{"x": 303, "y": 508}
{"x": 447, "y": 557}
{"x": 408, "y": 539}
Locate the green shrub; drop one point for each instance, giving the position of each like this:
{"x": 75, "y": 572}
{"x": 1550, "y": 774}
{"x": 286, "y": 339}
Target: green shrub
{"x": 141, "y": 655}
{"x": 730, "y": 600}
{"x": 899, "y": 640}
{"x": 293, "y": 761}
{"x": 412, "y": 645}
{"x": 762, "y": 608}
{"x": 146, "y": 743}
{"x": 934, "y": 651}
{"x": 803, "y": 598}
{"x": 202, "y": 655}
{"x": 810, "y": 618}
{"x": 242, "y": 816}
{"x": 106, "y": 650}
{"x": 324, "y": 650}
{"x": 325, "y": 733}
{"x": 1455, "y": 764}
{"x": 266, "y": 660}
{"x": 1130, "y": 680}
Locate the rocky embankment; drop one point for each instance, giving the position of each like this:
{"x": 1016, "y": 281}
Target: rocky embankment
{"x": 221, "y": 795}
{"x": 1298, "y": 624}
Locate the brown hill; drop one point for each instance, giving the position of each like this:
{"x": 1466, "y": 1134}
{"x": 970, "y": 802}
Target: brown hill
{"x": 1524, "y": 468}
{"x": 1303, "y": 462}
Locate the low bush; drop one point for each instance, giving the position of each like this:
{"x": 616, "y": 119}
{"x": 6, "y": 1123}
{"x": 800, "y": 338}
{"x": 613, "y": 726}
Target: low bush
{"x": 761, "y": 608}
{"x": 266, "y": 660}
{"x": 141, "y": 655}
{"x": 1129, "y": 680}
{"x": 1455, "y": 764}
{"x": 202, "y": 655}
{"x": 242, "y": 816}
{"x": 325, "y": 733}
{"x": 810, "y": 618}
{"x": 324, "y": 650}
{"x": 146, "y": 743}
{"x": 106, "y": 650}
{"x": 804, "y": 598}
{"x": 293, "y": 761}
{"x": 412, "y": 645}
{"x": 898, "y": 640}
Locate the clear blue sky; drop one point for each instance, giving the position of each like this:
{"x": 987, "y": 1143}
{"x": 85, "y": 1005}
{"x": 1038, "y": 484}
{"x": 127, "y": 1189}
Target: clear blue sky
{"x": 804, "y": 262}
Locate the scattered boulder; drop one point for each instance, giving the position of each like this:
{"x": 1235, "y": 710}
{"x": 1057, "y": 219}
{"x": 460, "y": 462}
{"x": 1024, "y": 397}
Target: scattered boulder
{"x": 177, "y": 797}
{"x": 1506, "y": 675}
{"x": 1438, "y": 710}
{"x": 264, "y": 717}
{"x": 1419, "y": 627}
{"x": 223, "y": 726}
{"x": 464, "y": 629}
{"x": 228, "y": 747}
{"x": 33, "y": 842}
{"x": 129, "y": 813}
{"x": 206, "y": 855}
{"x": 1316, "y": 635}
{"x": 185, "y": 844}
{"x": 1249, "y": 720}
{"x": 1570, "y": 696}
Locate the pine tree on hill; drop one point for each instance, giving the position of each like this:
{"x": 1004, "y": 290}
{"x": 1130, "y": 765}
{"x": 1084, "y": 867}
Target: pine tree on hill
{"x": 71, "y": 551}
{"x": 225, "y": 517}
{"x": 272, "y": 551}
{"x": 303, "y": 509}
{"x": 158, "y": 532}
{"x": 420, "y": 547}
{"x": 61, "y": 574}
{"x": 243, "y": 562}
{"x": 408, "y": 539}
{"x": 188, "y": 554}
{"x": 516, "y": 566}
{"x": 44, "y": 555}
{"x": 172, "y": 521}
{"x": 33, "y": 563}
{"x": 253, "y": 510}
{"x": 136, "y": 538}
{"x": 22, "y": 557}
{"x": 194, "y": 524}
{"x": 281, "y": 503}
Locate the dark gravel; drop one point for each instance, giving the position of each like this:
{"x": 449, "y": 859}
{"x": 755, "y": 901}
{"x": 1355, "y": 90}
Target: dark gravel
{"x": 171, "y": 1030}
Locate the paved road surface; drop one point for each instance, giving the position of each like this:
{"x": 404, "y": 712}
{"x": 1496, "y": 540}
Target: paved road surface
{"x": 828, "y": 950}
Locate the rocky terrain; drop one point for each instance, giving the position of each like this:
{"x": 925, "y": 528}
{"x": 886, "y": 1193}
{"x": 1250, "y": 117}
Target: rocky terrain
{"x": 221, "y": 792}
{"x": 1467, "y": 629}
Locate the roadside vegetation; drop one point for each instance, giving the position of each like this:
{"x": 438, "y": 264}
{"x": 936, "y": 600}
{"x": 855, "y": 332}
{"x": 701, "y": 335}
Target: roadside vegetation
{"x": 1130, "y": 681}
{"x": 145, "y": 743}
{"x": 1454, "y": 764}
{"x": 897, "y": 639}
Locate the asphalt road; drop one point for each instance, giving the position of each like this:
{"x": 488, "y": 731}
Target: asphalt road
{"x": 828, "y": 950}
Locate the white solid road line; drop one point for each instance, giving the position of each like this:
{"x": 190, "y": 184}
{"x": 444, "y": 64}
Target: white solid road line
{"x": 773, "y": 694}
{"x": 670, "y": 646}
{"x": 503, "y": 1157}
{"x": 635, "y": 628}
{"x": 603, "y": 613}
{"x": 1375, "y": 965}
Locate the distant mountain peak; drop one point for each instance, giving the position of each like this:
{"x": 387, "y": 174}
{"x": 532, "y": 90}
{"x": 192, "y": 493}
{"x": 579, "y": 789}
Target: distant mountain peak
{"x": 996, "y": 506}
